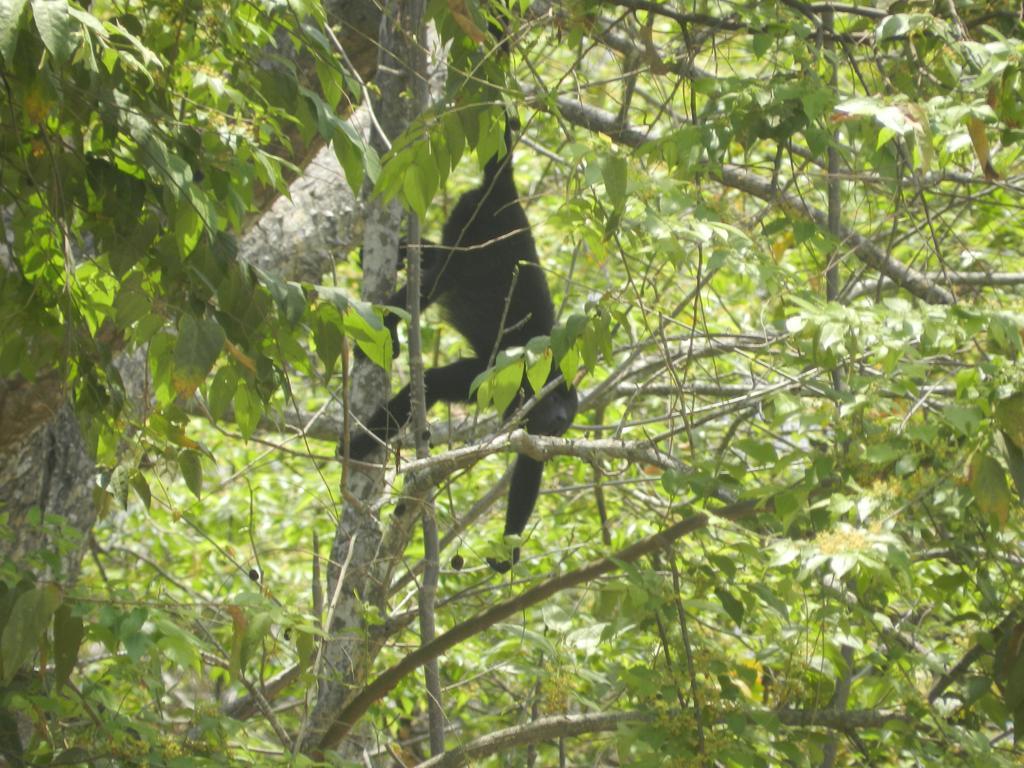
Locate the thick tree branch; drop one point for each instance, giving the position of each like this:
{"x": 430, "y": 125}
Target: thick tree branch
{"x": 436, "y": 468}
{"x": 544, "y": 729}
{"x": 347, "y": 656}
{"x": 388, "y": 679}
{"x": 975, "y": 652}
{"x": 549, "y": 728}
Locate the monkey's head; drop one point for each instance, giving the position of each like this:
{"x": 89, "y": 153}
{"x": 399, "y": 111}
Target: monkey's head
{"x": 555, "y": 412}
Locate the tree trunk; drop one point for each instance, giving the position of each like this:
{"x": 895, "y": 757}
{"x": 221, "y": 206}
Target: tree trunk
{"x": 44, "y": 462}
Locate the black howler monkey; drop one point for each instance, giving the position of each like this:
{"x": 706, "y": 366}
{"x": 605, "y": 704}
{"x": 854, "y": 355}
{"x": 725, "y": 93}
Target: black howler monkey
{"x": 487, "y": 277}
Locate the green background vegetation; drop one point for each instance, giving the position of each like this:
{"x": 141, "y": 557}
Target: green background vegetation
{"x": 843, "y": 399}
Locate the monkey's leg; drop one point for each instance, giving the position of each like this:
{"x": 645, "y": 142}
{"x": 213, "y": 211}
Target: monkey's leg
{"x": 522, "y": 497}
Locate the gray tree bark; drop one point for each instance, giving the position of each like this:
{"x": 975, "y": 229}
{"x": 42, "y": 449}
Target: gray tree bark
{"x": 371, "y": 549}
{"x": 46, "y": 475}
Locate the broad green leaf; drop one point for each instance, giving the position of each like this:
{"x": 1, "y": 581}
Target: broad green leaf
{"x": 965, "y": 420}
{"x": 239, "y": 626}
{"x": 413, "y": 188}
{"x": 180, "y": 645}
{"x": 248, "y": 409}
{"x": 506, "y": 383}
{"x": 570, "y": 365}
{"x": 883, "y": 453}
{"x": 761, "y": 451}
{"x": 305, "y": 647}
{"x": 291, "y": 302}
{"x": 841, "y": 564}
{"x": 1008, "y": 665}
{"x": 56, "y": 28}
{"x": 68, "y": 632}
{"x": 732, "y": 606}
{"x": 538, "y": 371}
{"x": 1009, "y": 415}
{"x": 351, "y": 157}
{"x": 455, "y": 139}
{"x": 23, "y": 632}
{"x": 988, "y": 483}
{"x": 221, "y": 391}
{"x": 188, "y": 226}
{"x": 192, "y": 470}
{"x": 327, "y": 336}
{"x": 614, "y": 170}
{"x": 10, "y": 22}
{"x": 363, "y": 325}
{"x": 863, "y": 106}
{"x": 761, "y": 43}
{"x": 142, "y": 489}
{"x": 1015, "y": 462}
{"x": 258, "y": 628}
{"x": 199, "y": 344}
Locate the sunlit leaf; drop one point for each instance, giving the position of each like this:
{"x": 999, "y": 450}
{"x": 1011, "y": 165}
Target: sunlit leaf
{"x": 987, "y": 480}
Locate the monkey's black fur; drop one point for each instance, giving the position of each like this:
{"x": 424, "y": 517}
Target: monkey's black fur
{"x": 487, "y": 277}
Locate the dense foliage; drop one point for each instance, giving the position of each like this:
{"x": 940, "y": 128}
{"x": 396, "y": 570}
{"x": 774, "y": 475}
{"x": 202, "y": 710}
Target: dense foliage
{"x": 785, "y": 245}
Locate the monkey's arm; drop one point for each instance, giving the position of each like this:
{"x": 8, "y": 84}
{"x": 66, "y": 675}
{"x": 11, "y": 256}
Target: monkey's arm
{"x": 449, "y": 384}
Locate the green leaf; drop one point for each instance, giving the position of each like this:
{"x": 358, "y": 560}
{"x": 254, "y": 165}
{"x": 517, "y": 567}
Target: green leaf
{"x": 305, "y": 647}
{"x": 761, "y": 43}
{"x": 591, "y": 345}
{"x": 179, "y": 645}
{"x": 965, "y": 419}
{"x": 538, "y": 371}
{"x": 570, "y": 365}
{"x": 1009, "y": 414}
{"x": 363, "y": 325}
{"x": 141, "y": 487}
{"x": 732, "y": 606}
{"x": 191, "y": 470}
{"x": 761, "y": 451}
{"x": 991, "y": 493}
{"x": 200, "y": 341}
{"x": 350, "y": 159}
{"x": 883, "y": 453}
{"x": 221, "y": 391}
{"x": 23, "y": 632}
{"x": 68, "y": 632}
{"x": 248, "y": 409}
{"x": 615, "y": 173}
{"x": 1015, "y": 462}
{"x": 188, "y": 226}
{"x": 239, "y": 625}
{"x": 454, "y": 138}
{"x": 506, "y": 384}
{"x": 258, "y": 628}
{"x": 841, "y": 564}
{"x": 412, "y": 188}
{"x": 11, "y": 12}
{"x": 327, "y": 337}
{"x": 56, "y": 28}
